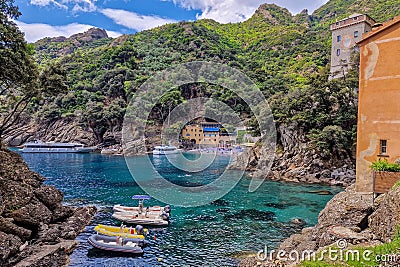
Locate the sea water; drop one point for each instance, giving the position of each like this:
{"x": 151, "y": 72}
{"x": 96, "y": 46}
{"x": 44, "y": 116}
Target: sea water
{"x": 216, "y": 234}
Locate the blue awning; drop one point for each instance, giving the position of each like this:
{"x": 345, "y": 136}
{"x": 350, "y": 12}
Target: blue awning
{"x": 141, "y": 197}
{"x": 207, "y": 129}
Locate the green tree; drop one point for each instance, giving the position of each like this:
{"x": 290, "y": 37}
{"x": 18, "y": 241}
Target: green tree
{"x": 18, "y": 72}
{"x": 20, "y": 80}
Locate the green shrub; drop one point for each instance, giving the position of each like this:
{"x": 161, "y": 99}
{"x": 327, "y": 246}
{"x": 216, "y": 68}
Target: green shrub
{"x": 384, "y": 166}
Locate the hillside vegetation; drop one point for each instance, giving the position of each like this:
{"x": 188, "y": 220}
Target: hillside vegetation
{"x": 286, "y": 56}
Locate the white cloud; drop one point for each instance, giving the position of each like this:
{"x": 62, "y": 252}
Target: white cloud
{"x": 48, "y": 2}
{"x": 78, "y": 5}
{"x": 84, "y": 5}
{"x": 133, "y": 20}
{"x": 225, "y": 11}
{"x": 41, "y": 2}
{"x": 36, "y": 31}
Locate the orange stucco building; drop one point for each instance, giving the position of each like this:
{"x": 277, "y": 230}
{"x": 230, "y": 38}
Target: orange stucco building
{"x": 378, "y": 133}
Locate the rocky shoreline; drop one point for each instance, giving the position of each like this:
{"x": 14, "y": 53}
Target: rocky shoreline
{"x": 295, "y": 161}
{"x": 356, "y": 219}
{"x": 35, "y": 228}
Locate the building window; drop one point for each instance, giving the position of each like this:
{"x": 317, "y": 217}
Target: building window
{"x": 355, "y": 34}
{"x": 339, "y": 38}
{"x": 338, "y": 52}
{"x": 383, "y": 147}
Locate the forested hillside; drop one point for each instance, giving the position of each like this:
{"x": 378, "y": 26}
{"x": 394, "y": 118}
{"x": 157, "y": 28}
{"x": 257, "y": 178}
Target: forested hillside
{"x": 286, "y": 56}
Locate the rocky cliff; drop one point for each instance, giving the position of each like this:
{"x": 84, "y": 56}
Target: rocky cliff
{"x": 296, "y": 161}
{"x": 356, "y": 218}
{"x": 35, "y": 228}
{"x": 63, "y": 130}
{"x": 48, "y": 48}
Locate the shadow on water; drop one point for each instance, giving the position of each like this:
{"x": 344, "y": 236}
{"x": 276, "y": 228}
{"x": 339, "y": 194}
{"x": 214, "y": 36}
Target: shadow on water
{"x": 99, "y": 253}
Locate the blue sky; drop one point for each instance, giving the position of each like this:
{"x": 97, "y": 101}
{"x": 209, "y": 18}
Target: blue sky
{"x": 50, "y": 18}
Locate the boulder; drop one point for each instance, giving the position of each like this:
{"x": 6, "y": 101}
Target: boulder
{"x": 32, "y": 214}
{"x": 61, "y": 213}
{"x": 49, "y": 196}
{"x": 49, "y": 255}
{"x": 77, "y": 222}
{"x": 386, "y": 218}
{"x": 7, "y": 226}
{"x": 348, "y": 208}
{"x": 9, "y": 246}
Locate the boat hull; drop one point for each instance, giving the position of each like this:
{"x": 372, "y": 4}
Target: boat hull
{"x": 160, "y": 153}
{"x": 154, "y": 209}
{"x": 118, "y": 231}
{"x": 130, "y": 245}
{"x": 54, "y": 147}
{"x": 129, "y": 218}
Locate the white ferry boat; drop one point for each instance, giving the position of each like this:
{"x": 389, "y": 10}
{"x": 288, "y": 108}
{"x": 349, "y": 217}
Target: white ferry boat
{"x": 165, "y": 150}
{"x": 53, "y": 147}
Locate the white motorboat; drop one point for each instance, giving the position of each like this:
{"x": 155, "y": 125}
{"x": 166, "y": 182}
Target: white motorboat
{"x": 143, "y": 219}
{"x": 53, "y": 147}
{"x": 165, "y": 150}
{"x": 127, "y": 209}
{"x": 155, "y": 215}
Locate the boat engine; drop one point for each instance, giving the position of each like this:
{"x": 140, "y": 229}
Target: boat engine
{"x": 139, "y": 230}
{"x": 167, "y": 209}
{"x": 164, "y": 216}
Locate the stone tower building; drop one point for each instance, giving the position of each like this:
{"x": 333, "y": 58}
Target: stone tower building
{"x": 345, "y": 34}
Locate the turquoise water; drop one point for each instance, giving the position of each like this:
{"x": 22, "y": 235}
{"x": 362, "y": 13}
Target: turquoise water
{"x": 210, "y": 235}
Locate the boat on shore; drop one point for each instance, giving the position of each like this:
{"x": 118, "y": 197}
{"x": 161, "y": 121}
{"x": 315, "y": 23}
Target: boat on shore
{"x": 118, "y": 244}
{"x": 165, "y": 150}
{"x": 54, "y": 147}
{"x": 123, "y": 231}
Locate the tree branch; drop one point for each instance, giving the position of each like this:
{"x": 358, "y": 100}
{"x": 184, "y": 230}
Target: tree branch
{"x": 13, "y": 112}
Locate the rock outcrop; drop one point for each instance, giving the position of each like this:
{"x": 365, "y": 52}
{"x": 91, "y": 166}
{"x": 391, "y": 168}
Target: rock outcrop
{"x": 352, "y": 217}
{"x": 71, "y": 43}
{"x": 62, "y": 130}
{"x": 35, "y": 229}
{"x": 296, "y": 161}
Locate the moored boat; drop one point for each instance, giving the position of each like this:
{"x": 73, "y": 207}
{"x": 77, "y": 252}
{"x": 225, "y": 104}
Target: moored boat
{"x": 154, "y": 209}
{"x": 140, "y": 209}
{"x": 149, "y": 219}
{"x": 165, "y": 150}
{"x": 117, "y": 243}
{"x": 155, "y": 215}
{"x": 123, "y": 231}
{"x": 53, "y": 147}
